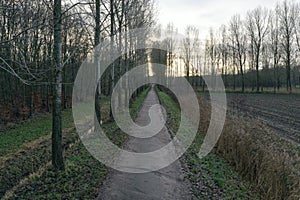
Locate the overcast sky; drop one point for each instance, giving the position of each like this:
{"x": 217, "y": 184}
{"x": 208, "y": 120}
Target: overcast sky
{"x": 205, "y": 13}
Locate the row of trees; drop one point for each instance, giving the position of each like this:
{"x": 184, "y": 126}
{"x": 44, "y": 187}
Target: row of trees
{"x": 27, "y": 74}
{"x": 123, "y": 15}
{"x": 26, "y": 57}
{"x": 43, "y": 44}
{"x": 252, "y": 52}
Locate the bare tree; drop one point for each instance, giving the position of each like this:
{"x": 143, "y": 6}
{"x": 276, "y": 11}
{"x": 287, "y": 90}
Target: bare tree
{"x": 275, "y": 46}
{"x": 171, "y": 43}
{"x": 297, "y": 25}
{"x": 240, "y": 44}
{"x": 57, "y": 150}
{"x": 97, "y": 60}
{"x": 112, "y": 35}
{"x": 189, "y": 44}
{"x": 257, "y": 26}
{"x": 223, "y": 48}
{"x": 213, "y": 52}
{"x": 287, "y": 16}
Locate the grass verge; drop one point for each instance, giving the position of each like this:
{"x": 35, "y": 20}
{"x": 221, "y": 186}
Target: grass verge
{"x": 33, "y": 150}
{"x": 212, "y": 177}
{"x": 80, "y": 180}
{"x": 14, "y": 139}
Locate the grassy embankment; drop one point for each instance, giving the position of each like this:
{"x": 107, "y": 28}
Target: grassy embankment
{"x": 211, "y": 175}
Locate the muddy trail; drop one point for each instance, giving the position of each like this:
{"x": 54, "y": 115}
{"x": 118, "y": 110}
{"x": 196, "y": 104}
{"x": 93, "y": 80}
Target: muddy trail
{"x": 168, "y": 183}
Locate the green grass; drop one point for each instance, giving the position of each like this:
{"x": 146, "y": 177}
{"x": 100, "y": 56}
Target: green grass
{"x": 82, "y": 177}
{"x": 295, "y": 148}
{"x": 32, "y": 154}
{"x": 138, "y": 102}
{"x": 14, "y": 139}
{"x": 212, "y": 171}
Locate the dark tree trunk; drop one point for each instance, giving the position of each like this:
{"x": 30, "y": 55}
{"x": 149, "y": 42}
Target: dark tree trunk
{"x": 97, "y": 62}
{"x": 257, "y": 73}
{"x": 112, "y": 28}
{"x": 57, "y": 150}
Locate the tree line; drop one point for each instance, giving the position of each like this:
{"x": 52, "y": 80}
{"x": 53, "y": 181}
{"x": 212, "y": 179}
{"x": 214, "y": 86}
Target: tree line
{"x": 256, "y": 51}
{"x": 43, "y": 44}
{"x": 27, "y": 72}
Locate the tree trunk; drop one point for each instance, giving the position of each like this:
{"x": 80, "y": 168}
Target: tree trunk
{"x": 243, "y": 79}
{"x": 257, "y": 72}
{"x": 97, "y": 61}
{"x": 65, "y": 105}
{"x": 288, "y": 71}
{"x": 112, "y": 21}
{"x": 274, "y": 78}
{"x": 57, "y": 150}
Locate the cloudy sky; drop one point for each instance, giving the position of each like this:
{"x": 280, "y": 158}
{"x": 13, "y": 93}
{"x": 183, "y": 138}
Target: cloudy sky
{"x": 205, "y": 13}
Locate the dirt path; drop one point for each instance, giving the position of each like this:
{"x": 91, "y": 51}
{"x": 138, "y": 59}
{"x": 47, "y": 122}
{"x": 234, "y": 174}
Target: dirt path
{"x": 168, "y": 183}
